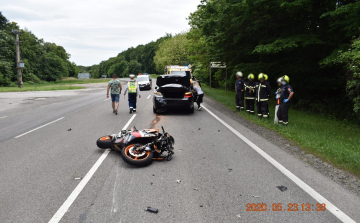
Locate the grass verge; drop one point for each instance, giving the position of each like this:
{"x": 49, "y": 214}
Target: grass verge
{"x": 53, "y": 86}
{"x": 336, "y": 142}
{"x": 39, "y": 88}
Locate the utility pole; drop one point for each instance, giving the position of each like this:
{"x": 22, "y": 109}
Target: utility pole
{"x": 19, "y": 63}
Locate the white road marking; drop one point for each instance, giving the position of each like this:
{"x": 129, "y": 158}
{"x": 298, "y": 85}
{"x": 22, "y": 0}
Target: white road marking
{"x": 3, "y": 117}
{"x": 329, "y": 206}
{"x": 107, "y": 99}
{"x": 38, "y": 128}
{"x": 148, "y": 96}
{"x": 128, "y": 123}
{"x": 66, "y": 205}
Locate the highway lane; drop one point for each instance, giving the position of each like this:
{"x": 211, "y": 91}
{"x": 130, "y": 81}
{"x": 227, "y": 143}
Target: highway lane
{"x": 38, "y": 171}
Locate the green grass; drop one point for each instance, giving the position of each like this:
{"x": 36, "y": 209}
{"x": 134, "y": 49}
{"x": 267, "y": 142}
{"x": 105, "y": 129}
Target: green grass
{"x": 54, "y": 86}
{"x": 154, "y": 75}
{"x": 336, "y": 142}
{"x": 81, "y": 81}
{"x": 27, "y": 87}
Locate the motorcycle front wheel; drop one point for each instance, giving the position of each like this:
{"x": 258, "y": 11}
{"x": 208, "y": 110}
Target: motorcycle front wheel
{"x": 132, "y": 157}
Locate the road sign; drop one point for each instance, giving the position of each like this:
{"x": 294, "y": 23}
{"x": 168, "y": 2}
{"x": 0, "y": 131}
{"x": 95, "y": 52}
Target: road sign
{"x": 217, "y": 65}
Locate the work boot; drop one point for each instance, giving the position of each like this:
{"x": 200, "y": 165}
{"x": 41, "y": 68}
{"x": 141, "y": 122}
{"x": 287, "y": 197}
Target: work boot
{"x": 241, "y": 108}
{"x": 131, "y": 110}
{"x": 237, "y": 108}
{"x": 134, "y": 110}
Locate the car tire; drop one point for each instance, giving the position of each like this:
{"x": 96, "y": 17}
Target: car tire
{"x": 154, "y": 110}
{"x": 191, "y": 110}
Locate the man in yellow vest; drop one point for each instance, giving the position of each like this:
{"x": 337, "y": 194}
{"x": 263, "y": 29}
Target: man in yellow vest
{"x": 134, "y": 90}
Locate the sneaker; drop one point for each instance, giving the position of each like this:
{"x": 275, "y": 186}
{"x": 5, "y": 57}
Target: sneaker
{"x": 116, "y": 112}
{"x": 199, "y": 108}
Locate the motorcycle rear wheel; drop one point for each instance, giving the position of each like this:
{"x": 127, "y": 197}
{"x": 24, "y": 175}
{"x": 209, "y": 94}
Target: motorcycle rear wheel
{"x": 136, "y": 159}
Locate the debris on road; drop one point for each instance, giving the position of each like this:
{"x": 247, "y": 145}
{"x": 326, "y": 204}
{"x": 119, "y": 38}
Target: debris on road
{"x": 204, "y": 157}
{"x": 153, "y": 175}
{"x": 201, "y": 206}
{"x": 69, "y": 129}
{"x": 151, "y": 183}
{"x": 150, "y": 209}
{"x": 199, "y": 128}
{"x": 256, "y": 196}
{"x": 77, "y": 178}
{"x": 282, "y": 188}
{"x": 218, "y": 130}
{"x": 178, "y": 181}
{"x": 238, "y": 215}
{"x": 229, "y": 170}
{"x": 196, "y": 188}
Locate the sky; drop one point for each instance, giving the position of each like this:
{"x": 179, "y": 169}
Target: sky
{"x": 94, "y": 30}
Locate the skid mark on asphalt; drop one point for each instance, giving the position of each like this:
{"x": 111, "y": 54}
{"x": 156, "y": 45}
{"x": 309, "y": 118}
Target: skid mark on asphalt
{"x": 114, "y": 207}
{"x": 154, "y": 121}
{"x": 329, "y": 206}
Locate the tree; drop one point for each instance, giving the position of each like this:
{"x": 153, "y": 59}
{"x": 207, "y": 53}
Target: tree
{"x": 134, "y": 67}
{"x": 172, "y": 51}
{"x": 120, "y": 69}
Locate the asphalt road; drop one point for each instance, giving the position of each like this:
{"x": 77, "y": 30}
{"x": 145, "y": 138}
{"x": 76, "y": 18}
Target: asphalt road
{"x": 229, "y": 165}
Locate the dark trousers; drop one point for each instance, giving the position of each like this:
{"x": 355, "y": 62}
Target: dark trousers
{"x": 132, "y": 100}
{"x": 199, "y": 99}
{"x": 283, "y": 112}
{"x": 239, "y": 99}
{"x": 250, "y": 104}
{"x": 262, "y": 108}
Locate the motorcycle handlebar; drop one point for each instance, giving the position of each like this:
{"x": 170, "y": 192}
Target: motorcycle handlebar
{"x": 163, "y": 129}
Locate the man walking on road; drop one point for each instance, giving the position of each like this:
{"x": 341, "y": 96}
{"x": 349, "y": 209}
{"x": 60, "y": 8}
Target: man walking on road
{"x": 116, "y": 88}
{"x": 286, "y": 94}
{"x": 134, "y": 90}
{"x": 262, "y": 92}
{"x": 239, "y": 89}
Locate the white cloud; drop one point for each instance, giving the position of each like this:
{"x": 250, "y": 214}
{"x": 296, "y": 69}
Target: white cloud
{"x": 92, "y": 31}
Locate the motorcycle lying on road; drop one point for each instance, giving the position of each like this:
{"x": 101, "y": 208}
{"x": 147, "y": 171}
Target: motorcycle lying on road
{"x": 139, "y": 148}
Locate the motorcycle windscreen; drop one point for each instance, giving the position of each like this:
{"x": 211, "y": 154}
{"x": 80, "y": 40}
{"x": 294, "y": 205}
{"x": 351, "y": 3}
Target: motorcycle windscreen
{"x": 181, "y": 79}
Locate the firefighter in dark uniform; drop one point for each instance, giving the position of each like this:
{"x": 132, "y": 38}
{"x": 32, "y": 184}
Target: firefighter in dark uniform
{"x": 250, "y": 93}
{"x": 285, "y": 97}
{"x": 239, "y": 89}
{"x": 262, "y": 91}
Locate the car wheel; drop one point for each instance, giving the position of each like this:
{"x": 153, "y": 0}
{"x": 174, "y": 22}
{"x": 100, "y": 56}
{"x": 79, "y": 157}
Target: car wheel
{"x": 154, "y": 110}
{"x": 191, "y": 110}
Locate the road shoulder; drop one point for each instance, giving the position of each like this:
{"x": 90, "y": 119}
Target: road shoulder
{"x": 337, "y": 175}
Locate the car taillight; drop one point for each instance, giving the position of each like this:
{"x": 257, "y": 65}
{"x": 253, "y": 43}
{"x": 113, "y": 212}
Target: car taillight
{"x": 188, "y": 95}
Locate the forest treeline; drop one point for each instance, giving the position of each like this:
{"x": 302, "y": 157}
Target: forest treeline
{"x": 315, "y": 42}
{"x": 133, "y": 60}
{"x": 44, "y": 61}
